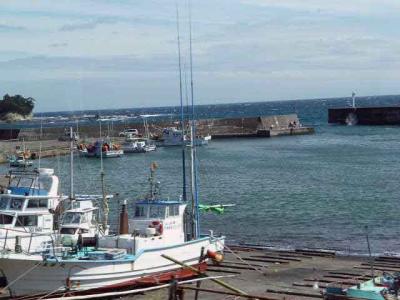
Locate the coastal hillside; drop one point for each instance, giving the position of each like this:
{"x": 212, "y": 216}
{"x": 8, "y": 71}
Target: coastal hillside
{"x": 16, "y": 108}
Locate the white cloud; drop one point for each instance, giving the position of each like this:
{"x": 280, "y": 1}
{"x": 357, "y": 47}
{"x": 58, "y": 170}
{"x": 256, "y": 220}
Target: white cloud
{"x": 342, "y": 7}
{"x": 242, "y": 48}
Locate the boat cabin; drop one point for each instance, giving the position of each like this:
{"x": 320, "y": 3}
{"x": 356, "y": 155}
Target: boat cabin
{"x": 172, "y": 136}
{"x": 154, "y": 223}
{"x": 158, "y": 218}
{"x": 81, "y": 218}
{"x": 27, "y": 206}
{"x": 25, "y": 203}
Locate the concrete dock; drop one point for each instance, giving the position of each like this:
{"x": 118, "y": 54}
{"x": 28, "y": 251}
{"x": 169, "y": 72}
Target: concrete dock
{"x": 268, "y": 274}
{"x": 278, "y": 275}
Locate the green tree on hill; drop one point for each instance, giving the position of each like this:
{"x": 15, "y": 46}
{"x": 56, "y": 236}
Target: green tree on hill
{"x": 16, "y": 104}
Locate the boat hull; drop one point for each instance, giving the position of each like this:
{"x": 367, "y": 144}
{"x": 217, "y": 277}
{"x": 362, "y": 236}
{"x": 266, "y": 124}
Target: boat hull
{"x": 85, "y": 275}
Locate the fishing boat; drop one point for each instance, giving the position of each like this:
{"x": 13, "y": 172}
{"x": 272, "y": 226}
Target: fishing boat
{"x": 102, "y": 147}
{"x": 27, "y": 207}
{"x": 134, "y": 257}
{"x": 21, "y": 158}
{"x": 172, "y": 136}
{"x": 82, "y": 219}
{"x": 19, "y": 161}
{"x": 138, "y": 145}
{"x": 379, "y": 288}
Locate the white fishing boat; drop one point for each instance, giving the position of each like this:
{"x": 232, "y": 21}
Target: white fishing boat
{"x": 21, "y": 158}
{"x": 134, "y": 257}
{"x": 27, "y": 207}
{"x": 173, "y": 136}
{"x": 138, "y": 145}
{"x": 82, "y": 219}
{"x": 19, "y": 161}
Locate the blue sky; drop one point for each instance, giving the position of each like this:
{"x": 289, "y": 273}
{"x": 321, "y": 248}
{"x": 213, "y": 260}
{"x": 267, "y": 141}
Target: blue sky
{"x": 91, "y": 54}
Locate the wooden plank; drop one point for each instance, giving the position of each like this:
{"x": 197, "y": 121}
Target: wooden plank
{"x": 382, "y": 264}
{"x": 265, "y": 260}
{"x": 242, "y": 263}
{"x": 350, "y": 282}
{"x": 339, "y": 276}
{"x": 227, "y": 293}
{"x": 303, "y": 284}
{"x": 351, "y": 273}
{"x": 234, "y": 267}
{"x": 388, "y": 258}
{"x": 290, "y": 293}
{"x": 316, "y": 253}
{"x": 358, "y": 278}
{"x": 276, "y": 257}
{"x": 288, "y": 254}
{"x": 222, "y": 271}
{"x": 377, "y": 268}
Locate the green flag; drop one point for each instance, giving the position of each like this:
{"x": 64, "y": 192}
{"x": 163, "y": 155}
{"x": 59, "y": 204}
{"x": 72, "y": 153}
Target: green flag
{"x": 219, "y": 209}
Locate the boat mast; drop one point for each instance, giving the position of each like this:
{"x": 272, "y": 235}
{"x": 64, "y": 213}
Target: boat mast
{"x": 40, "y": 144}
{"x": 184, "y": 196}
{"x": 71, "y": 163}
{"x": 103, "y": 188}
{"x": 195, "y": 204}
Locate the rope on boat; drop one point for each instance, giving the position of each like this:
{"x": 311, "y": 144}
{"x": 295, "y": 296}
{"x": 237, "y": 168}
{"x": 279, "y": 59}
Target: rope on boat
{"x": 52, "y": 292}
{"x": 20, "y": 276}
{"x": 136, "y": 291}
{"x": 242, "y": 260}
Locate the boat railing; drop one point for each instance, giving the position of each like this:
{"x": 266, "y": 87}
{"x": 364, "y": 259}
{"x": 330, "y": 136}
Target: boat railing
{"x": 29, "y": 196}
{"x": 17, "y": 239}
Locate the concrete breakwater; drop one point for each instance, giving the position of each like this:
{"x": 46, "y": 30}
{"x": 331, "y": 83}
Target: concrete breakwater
{"x": 267, "y": 126}
{"x": 365, "y": 115}
{"x": 53, "y": 141}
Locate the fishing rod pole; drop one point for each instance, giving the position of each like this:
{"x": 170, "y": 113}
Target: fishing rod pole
{"x": 195, "y": 201}
{"x": 184, "y": 196}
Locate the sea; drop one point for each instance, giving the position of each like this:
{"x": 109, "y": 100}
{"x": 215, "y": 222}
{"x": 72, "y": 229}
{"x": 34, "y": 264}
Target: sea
{"x": 329, "y": 190}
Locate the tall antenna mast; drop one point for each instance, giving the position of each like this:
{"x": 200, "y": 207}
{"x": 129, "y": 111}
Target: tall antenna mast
{"x": 40, "y": 144}
{"x": 371, "y": 260}
{"x": 71, "y": 162}
{"x": 103, "y": 188}
{"x": 184, "y": 196}
{"x": 195, "y": 203}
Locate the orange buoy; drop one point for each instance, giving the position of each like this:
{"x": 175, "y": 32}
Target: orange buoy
{"x": 215, "y": 256}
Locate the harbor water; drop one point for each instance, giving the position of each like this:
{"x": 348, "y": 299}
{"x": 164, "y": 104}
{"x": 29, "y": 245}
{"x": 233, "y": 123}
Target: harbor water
{"x": 317, "y": 191}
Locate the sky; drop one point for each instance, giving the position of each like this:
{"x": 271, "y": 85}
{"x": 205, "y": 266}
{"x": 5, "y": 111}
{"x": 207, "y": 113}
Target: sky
{"x": 98, "y": 54}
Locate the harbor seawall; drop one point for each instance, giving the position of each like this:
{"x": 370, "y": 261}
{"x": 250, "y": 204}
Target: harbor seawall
{"x": 365, "y": 115}
{"x": 263, "y": 126}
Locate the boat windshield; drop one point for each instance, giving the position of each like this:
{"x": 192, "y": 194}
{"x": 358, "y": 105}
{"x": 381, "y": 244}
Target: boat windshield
{"x": 157, "y": 211}
{"x": 23, "y": 221}
{"x": 4, "y": 202}
{"x": 37, "y": 203}
{"x": 173, "y": 210}
{"x": 16, "y": 203}
{"x": 6, "y": 219}
{"x": 140, "y": 211}
{"x": 74, "y": 218}
{"x": 20, "y": 181}
{"x": 66, "y": 230}
{"x": 45, "y": 182}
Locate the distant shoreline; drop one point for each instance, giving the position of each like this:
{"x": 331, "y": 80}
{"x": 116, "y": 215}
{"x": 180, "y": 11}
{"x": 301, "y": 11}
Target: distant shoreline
{"x": 94, "y": 111}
